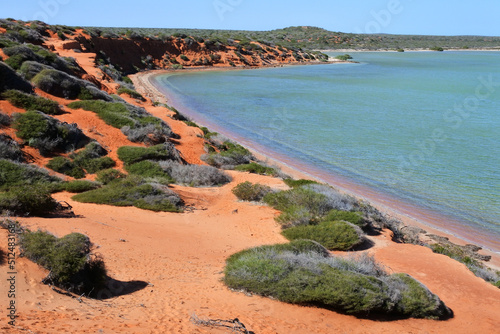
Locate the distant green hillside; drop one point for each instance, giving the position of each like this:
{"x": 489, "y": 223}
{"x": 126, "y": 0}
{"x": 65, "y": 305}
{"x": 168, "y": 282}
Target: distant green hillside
{"x": 313, "y": 38}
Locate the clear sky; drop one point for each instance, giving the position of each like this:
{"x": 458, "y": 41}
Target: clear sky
{"x": 425, "y": 17}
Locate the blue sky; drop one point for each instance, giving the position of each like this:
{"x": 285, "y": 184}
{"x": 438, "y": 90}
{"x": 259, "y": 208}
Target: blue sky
{"x": 427, "y": 17}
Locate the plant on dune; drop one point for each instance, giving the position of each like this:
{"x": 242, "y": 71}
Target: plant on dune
{"x": 16, "y": 175}
{"x": 309, "y": 276}
{"x": 194, "y": 175}
{"x": 67, "y": 167}
{"x": 333, "y": 235}
{"x": 9, "y": 149}
{"x": 48, "y": 134}
{"x": 135, "y": 122}
{"x": 230, "y": 155}
{"x": 9, "y": 79}
{"x": 28, "y": 200}
{"x": 133, "y": 154}
{"x": 133, "y": 191}
{"x": 68, "y": 259}
{"x": 130, "y": 92}
{"x": 149, "y": 169}
{"x": 247, "y": 191}
{"x": 32, "y": 102}
{"x": 108, "y": 175}
{"x": 256, "y": 168}
{"x": 298, "y": 183}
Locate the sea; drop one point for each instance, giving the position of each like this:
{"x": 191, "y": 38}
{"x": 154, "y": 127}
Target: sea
{"x": 419, "y": 132}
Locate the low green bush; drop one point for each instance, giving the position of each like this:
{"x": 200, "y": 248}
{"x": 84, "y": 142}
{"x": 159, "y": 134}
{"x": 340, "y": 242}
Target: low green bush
{"x": 28, "y": 200}
{"x": 135, "y": 122}
{"x": 298, "y": 183}
{"x": 130, "y": 92}
{"x": 9, "y": 79}
{"x": 147, "y": 168}
{"x": 256, "y": 168}
{"x": 247, "y": 191}
{"x": 133, "y": 154}
{"x": 355, "y": 218}
{"x": 194, "y": 175}
{"x": 63, "y": 85}
{"x": 32, "y": 102}
{"x": 67, "y": 167}
{"x": 68, "y": 259}
{"x": 16, "y": 175}
{"x": 356, "y": 286}
{"x": 133, "y": 191}
{"x": 108, "y": 175}
{"x": 9, "y": 149}
{"x": 48, "y": 134}
{"x": 333, "y": 235}
{"x": 230, "y": 155}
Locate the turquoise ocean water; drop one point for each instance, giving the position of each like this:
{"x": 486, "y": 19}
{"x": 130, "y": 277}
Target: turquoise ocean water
{"x": 422, "y": 129}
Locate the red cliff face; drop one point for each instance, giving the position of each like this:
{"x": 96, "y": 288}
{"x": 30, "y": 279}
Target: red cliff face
{"x": 144, "y": 53}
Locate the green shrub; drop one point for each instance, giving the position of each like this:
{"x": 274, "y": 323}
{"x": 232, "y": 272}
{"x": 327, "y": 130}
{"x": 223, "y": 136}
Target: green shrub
{"x": 48, "y": 134}
{"x": 147, "y": 168}
{"x": 355, "y": 218}
{"x": 351, "y": 285}
{"x": 256, "y": 168}
{"x": 28, "y": 200}
{"x": 30, "y": 69}
{"x": 247, "y": 191}
{"x": 133, "y": 191}
{"x": 130, "y": 92}
{"x": 314, "y": 202}
{"x": 68, "y": 260}
{"x": 9, "y": 149}
{"x": 194, "y": 175}
{"x": 133, "y": 154}
{"x": 32, "y": 102}
{"x": 9, "y": 79}
{"x": 231, "y": 155}
{"x": 108, "y": 175}
{"x": 333, "y": 235}
{"x": 16, "y": 175}
{"x": 185, "y": 58}
{"x": 66, "y": 86}
{"x": 79, "y": 186}
{"x": 67, "y": 167}
{"x": 343, "y": 57}
{"x": 135, "y": 122}
{"x": 298, "y": 183}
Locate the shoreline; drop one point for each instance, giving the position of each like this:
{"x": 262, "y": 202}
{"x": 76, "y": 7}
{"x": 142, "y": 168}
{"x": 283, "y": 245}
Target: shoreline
{"x": 409, "y": 214}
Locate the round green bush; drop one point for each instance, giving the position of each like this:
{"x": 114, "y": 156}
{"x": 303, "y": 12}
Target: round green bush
{"x": 247, "y": 191}
{"x": 336, "y": 235}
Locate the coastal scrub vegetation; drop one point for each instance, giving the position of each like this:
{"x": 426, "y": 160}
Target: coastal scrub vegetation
{"x": 333, "y": 235}
{"x": 256, "y": 168}
{"x": 63, "y": 85}
{"x": 134, "y": 191}
{"x": 230, "y": 155}
{"x": 130, "y": 92}
{"x": 133, "y": 154}
{"x": 48, "y": 134}
{"x": 194, "y": 175}
{"x": 135, "y": 122}
{"x": 9, "y": 148}
{"x": 302, "y": 272}
{"x": 247, "y": 191}
{"x": 9, "y": 79}
{"x": 69, "y": 260}
{"x": 32, "y": 102}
